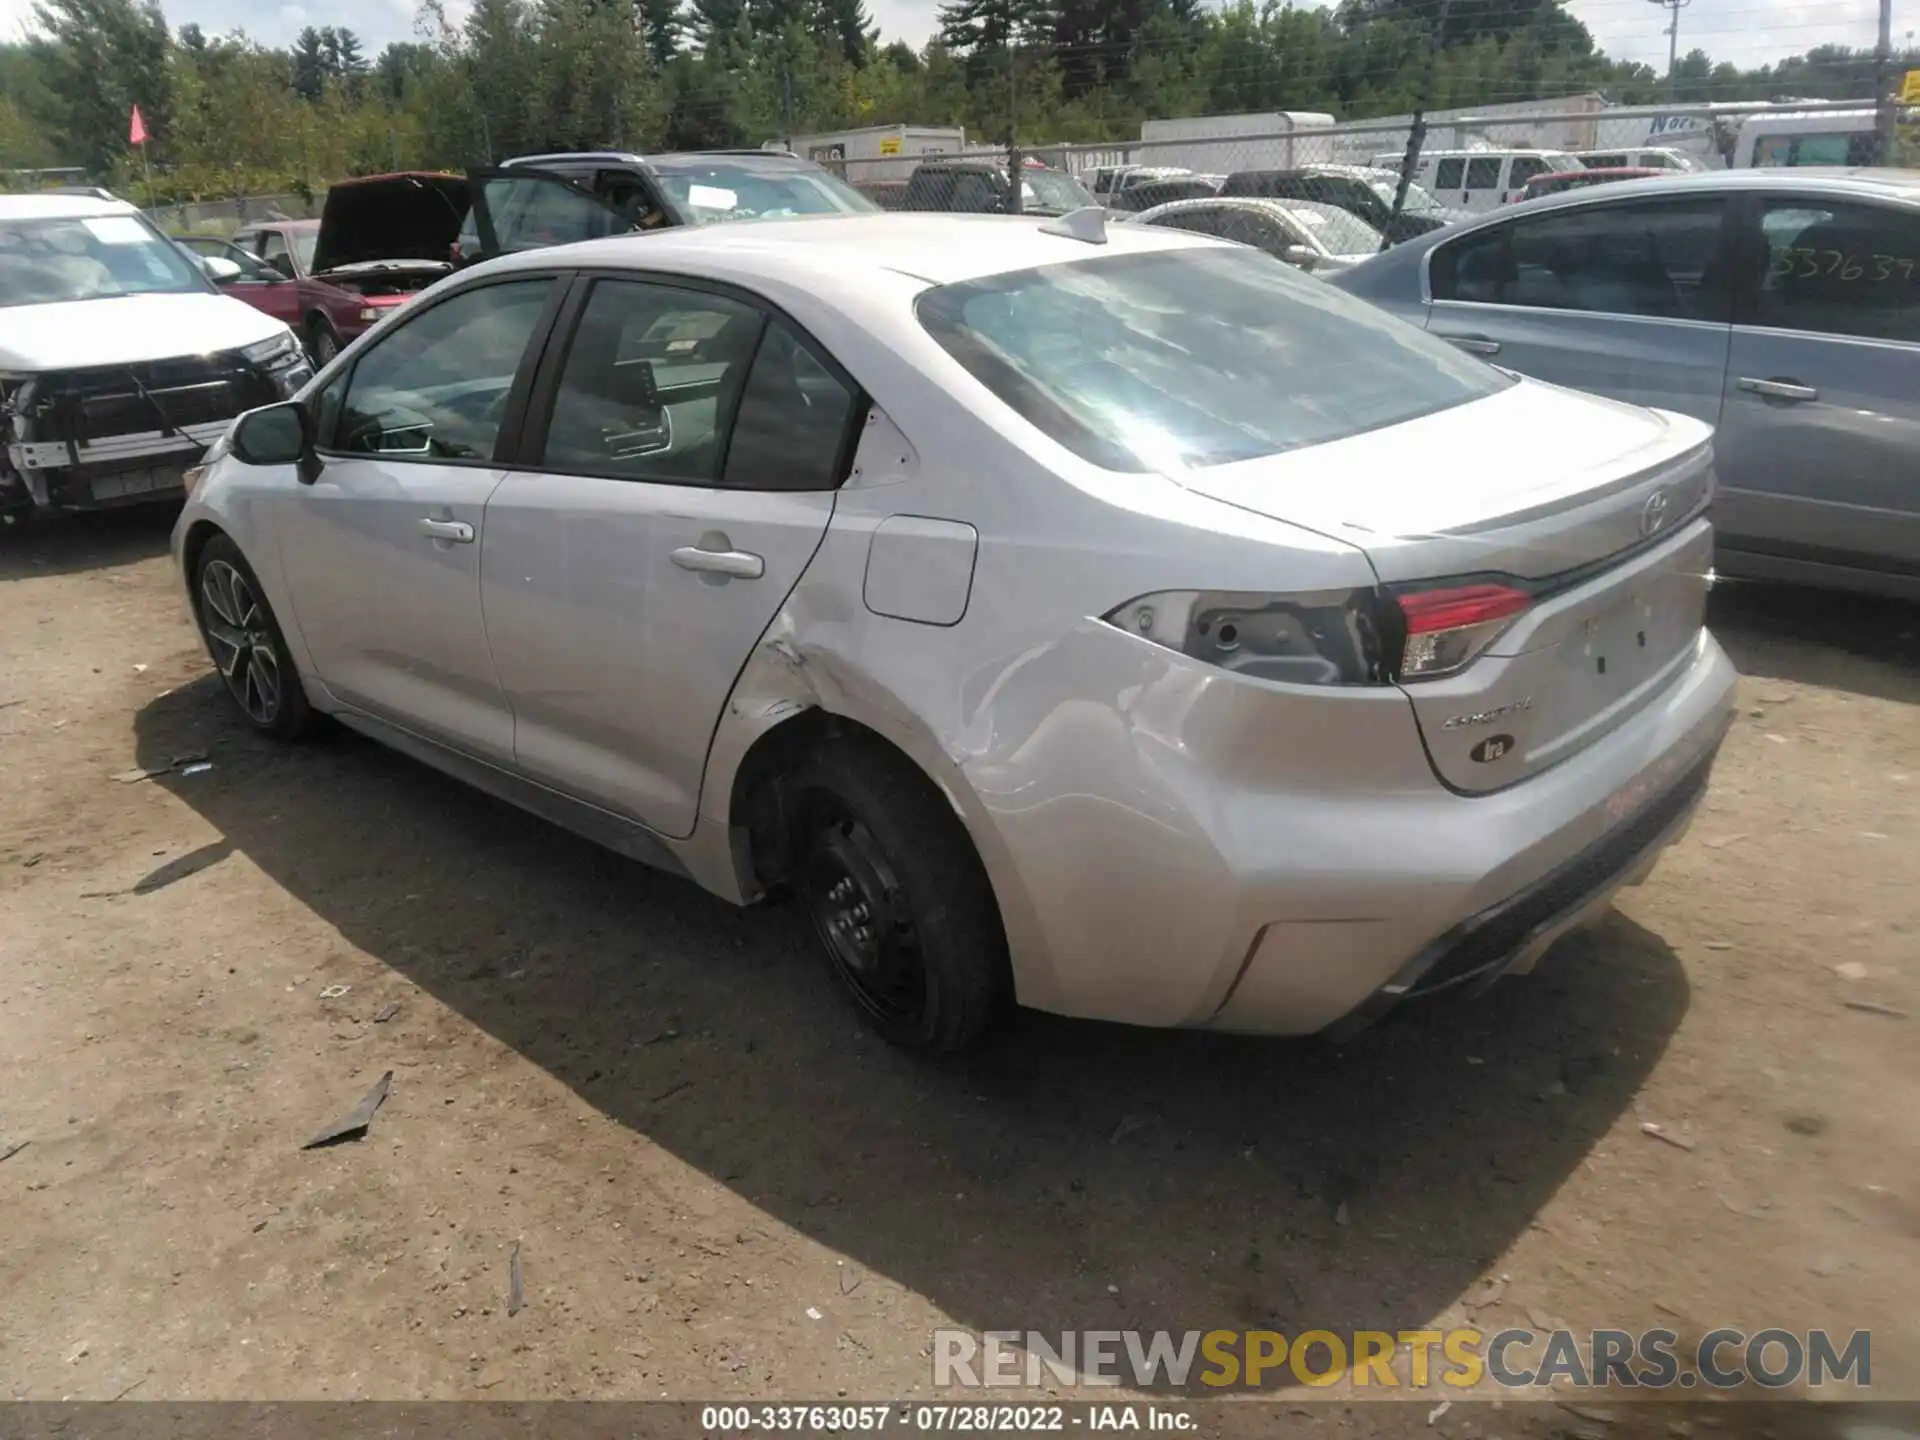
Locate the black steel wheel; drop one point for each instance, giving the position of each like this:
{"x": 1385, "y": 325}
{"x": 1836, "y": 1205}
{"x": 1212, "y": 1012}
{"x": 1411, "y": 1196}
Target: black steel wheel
{"x": 322, "y": 343}
{"x": 898, "y": 897}
{"x": 245, "y": 642}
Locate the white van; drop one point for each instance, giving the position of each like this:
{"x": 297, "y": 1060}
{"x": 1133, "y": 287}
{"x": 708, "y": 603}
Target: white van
{"x": 1478, "y": 180}
{"x": 1637, "y": 158}
{"x": 1832, "y": 137}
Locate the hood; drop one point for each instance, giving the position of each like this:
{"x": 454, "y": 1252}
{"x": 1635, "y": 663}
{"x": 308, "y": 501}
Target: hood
{"x": 82, "y": 334}
{"x": 391, "y": 217}
{"x": 1456, "y": 492}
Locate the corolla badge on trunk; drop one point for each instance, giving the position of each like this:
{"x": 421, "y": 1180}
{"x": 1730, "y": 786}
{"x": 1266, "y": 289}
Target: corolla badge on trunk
{"x": 1654, "y": 513}
{"x": 1487, "y": 717}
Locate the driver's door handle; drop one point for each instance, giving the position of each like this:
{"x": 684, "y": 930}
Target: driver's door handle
{"x": 1778, "y": 389}
{"x": 458, "y": 531}
{"x": 737, "y": 564}
{"x": 1474, "y": 344}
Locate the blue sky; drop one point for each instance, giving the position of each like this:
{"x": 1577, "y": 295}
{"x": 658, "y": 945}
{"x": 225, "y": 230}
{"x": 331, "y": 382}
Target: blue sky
{"x": 1747, "y": 32}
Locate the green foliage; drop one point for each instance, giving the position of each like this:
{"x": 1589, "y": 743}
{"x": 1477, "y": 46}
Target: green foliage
{"x": 229, "y": 116}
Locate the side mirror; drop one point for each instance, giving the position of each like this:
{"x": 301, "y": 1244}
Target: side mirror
{"x": 277, "y": 435}
{"x": 1304, "y": 256}
{"x": 218, "y": 270}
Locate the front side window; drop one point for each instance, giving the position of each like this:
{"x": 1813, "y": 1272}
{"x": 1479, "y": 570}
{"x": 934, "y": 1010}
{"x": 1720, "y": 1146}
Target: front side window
{"x": 436, "y": 387}
{"x": 1179, "y": 359}
{"x": 1840, "y": 269}
{"x": 1838, "y": 147}
{"x": 273, "y": 250}
{"x": 93, "y": 257}
{"x": 1525, "y": 167}
{"x": 530, "y": 212}
{"x": 1649, "y": 260}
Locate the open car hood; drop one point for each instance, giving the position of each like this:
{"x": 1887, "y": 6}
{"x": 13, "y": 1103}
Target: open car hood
{"x": 391, "y": 217}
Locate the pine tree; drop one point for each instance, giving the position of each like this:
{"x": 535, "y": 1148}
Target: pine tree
{"x": 310, "y": 66}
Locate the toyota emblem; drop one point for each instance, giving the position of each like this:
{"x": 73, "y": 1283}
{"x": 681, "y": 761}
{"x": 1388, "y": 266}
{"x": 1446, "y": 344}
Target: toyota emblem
{"x": 1654, "y": 513}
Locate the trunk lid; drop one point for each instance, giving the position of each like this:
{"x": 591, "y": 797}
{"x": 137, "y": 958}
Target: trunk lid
{"x": 391, "y": 217}
{"x": 1593, "y": 507}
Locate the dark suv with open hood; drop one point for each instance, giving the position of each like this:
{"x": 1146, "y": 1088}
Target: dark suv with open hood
{"x": 537, "y": 200}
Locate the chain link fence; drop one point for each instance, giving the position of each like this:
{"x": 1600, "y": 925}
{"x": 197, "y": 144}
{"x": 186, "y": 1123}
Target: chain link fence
{"x": 1454, "y": 162}
{"x": 223, "y": 217}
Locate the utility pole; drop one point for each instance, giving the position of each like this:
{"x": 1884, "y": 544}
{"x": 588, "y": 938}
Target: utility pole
{"x": 1673, "y": 39}
{"x": 786, "y": 106}
{"x": 1016, "y": 203}
{"x": 1883, "y": 116}
{"x": 1417, "y": 136}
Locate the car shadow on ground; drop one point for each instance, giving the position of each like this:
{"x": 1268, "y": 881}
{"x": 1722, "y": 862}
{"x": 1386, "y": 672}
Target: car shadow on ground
{"x": 1858, "y": 643}
{"x": 68, "y": 544}
{"x": 1076, "y": 1175}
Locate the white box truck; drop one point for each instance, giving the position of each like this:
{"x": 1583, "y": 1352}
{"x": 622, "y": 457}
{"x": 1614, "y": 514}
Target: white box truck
{"x": 1221, "y": 144}
{"x": 878, "y": 152}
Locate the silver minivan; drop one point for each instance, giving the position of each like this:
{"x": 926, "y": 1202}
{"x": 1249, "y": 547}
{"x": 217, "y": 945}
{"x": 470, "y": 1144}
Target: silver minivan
{"x": 1781, "y": 307}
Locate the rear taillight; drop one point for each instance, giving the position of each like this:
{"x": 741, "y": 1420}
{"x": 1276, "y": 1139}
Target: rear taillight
{"x": 1324, "y": 638}
{"x": 1446, "y": 628}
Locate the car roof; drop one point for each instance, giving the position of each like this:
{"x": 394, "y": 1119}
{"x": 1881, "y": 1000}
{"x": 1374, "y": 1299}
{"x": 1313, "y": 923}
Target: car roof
{"x": 935, "y": 247}
{"x": 1866, "y": 183}
{"x": 628, "y": 157}
{"x": 292, "y": 227}
{"x": 60, "y": 207}
{"x": 1622, "y": 172}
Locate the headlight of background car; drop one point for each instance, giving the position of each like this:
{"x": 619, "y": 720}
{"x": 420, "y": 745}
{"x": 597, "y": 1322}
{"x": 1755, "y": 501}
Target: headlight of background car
{"x": 283, "y": 360}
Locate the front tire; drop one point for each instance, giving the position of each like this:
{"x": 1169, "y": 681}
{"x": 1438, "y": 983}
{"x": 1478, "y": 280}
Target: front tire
{"x": 245, "y": 642}
{"x": 322, "y": 343}
{"x": 898, "y": 898}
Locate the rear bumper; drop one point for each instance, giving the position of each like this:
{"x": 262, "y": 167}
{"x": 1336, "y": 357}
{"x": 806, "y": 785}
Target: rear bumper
{"x": 1508, "y": 937}
{"x": 1281, "y": 864}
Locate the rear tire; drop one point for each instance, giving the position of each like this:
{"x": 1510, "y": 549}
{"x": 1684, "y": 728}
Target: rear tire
{"x": 898, "y": 898}
{"x": 245, "y": 642}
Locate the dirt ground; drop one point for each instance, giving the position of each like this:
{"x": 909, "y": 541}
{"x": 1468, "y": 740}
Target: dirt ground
{"x": 720, "y": 1186}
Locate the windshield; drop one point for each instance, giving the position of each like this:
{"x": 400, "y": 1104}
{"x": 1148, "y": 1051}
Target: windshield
{"x": 709, "y": 191}
{"x": 1193, "y": 357}
{"x": 1417, "y": 198}
{"x": 1052, "y": 190}
{"x": 95, "y": 257}
{"x": 1337, "y": 231}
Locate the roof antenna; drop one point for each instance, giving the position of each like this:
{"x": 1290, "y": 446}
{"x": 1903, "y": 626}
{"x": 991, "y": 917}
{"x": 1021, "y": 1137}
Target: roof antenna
{"x": 1087, "y": 224}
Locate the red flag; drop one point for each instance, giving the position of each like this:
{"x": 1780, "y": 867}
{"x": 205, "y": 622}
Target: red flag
{"x": 137, "y": 132}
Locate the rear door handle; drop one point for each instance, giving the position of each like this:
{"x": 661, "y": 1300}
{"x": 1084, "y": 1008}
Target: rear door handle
{"x": 1475, "y": 344}
{"x": 737, "y": 564}
{"x": 458, "y": 531}
{"x": 1778, "y": 389}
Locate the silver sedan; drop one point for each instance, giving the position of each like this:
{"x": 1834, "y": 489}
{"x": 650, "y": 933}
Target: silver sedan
{"x": 1781, "y": 306}
{"x": 1104, "y": 619}
{"x": 1308, "y": 233}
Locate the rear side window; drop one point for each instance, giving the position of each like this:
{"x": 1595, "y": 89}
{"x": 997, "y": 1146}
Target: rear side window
{"x": 1447, "y": 176}
{"x": 1650, "y": 260}
{"x": 1483, "y": 174}
{"x": 795, "y": 422}
{"x": 1161, "y": 362}
{"x": 649, "y": 383}
{"x": 1840, "y": 269}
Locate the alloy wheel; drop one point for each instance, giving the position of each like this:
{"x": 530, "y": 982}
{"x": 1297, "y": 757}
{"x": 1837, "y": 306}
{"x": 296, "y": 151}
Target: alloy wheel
{"x": 240, "y": 635}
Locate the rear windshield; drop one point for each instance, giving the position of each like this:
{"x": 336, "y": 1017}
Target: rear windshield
{"x": 1193, "y": 357}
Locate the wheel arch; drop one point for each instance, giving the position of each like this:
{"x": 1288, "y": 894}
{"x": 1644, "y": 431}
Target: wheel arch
{"x": 775, "y": 718}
